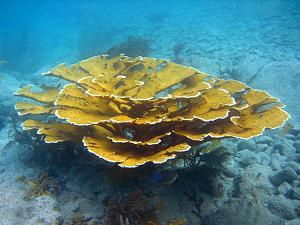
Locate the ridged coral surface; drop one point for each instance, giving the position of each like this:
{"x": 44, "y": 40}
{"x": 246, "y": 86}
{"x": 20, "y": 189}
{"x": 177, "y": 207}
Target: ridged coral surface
{"x": 137, "y": 110}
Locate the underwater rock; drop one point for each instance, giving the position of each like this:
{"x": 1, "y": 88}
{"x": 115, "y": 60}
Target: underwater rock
{"x": 280, "y": 140}
{"x": 296, "y": 204}
{"x": 296, "y": 183}
{"x": 264, "y": 139}
{"x": 231, "y": 144}
{"x": 230, "y": 171}
{"x": 236, "y": 186}
{"x": 269, "y": 150}
{"x": 2, "y": 169}
{"x": 245, "y": 186}
{"x": 286, "y": 174}
{"x": 242, "y": 212}
{"x": 2, "y": 122}
{"x": 284, "y": 188}
{"x": 247, "y": 157}
{"x": 261, "y": 147}
{"x": 293, "y": 222}
{"x": 282, "y": 207}
{"x": 290, "y": 137}
{"x": 275, "y": 165}
{"x": 276, "y": 161}
{"x": 264, "y": 158}
{"x": 46, "y": 213}
{"x": 295, "y": 193}
{"x": 247, "y": 144}
{"x": 297, "y": 146}
{"x": 295, "y": 158}
{"x": 285, "y": 150}
{"x": 295, "y": 166}
{"x": 292, "y": 130}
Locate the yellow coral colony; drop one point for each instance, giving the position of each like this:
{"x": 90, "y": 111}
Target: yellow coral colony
{"x": 137, "y": 110}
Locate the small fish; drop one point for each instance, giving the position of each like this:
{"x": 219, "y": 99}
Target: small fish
{"x": 156, "y": 177}
{"x": 285, "y": 129}
{"x": 3, "y": 62}
{"x": 163, "y": 177}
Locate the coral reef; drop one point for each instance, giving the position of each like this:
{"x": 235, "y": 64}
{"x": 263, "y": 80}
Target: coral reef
{"x": 132, "y": 111}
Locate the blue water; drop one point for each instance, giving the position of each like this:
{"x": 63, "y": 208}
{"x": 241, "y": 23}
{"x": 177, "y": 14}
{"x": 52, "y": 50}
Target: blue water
{"x": 35, "y": 33}
{"x": 254, "y": 41}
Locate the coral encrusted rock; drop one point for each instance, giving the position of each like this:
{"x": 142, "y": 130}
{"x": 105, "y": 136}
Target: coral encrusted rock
{"x": 137, "y": 110}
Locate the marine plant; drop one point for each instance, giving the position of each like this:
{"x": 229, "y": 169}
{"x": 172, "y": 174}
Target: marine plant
{"x": 134, "y": 208}
{"x": 213, "y": 155}
{"x": 42, "y": 185}
{"x": 17, "y": 135}
{"x": 131, "y": 209}
{"x": 203, "y": 166}
{"x": 78, "y": 219}
{"x": 132, "y": 111}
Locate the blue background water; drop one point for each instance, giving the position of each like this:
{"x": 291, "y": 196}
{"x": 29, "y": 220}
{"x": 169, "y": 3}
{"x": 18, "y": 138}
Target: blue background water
{"x": 35, "y": 33}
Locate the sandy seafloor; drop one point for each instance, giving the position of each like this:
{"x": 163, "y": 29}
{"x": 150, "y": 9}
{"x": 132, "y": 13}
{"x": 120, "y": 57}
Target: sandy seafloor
{"x": 233, "y": 39}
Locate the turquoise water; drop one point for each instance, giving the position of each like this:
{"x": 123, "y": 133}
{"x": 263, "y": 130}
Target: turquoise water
{"x": 35, "y": 33}
{"x": 256, "y": 42}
